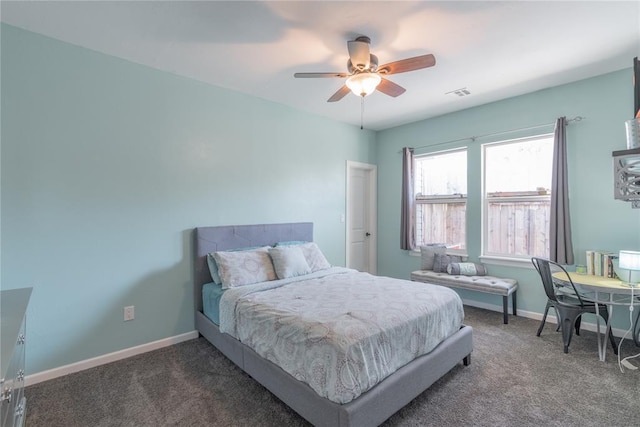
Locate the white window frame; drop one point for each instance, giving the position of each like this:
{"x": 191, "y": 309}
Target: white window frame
{"x": 443, "y": 199}
{"x": 529, "y": 196}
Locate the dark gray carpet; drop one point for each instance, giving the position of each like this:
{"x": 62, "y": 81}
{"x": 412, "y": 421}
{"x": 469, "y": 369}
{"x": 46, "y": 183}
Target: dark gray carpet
{"x": 515, "y": 378}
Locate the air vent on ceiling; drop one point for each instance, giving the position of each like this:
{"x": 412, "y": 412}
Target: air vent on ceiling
{"x": 463, "y": 91}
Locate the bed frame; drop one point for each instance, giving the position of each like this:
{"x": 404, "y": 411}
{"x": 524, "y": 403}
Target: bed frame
{"x": 370, "y": 408}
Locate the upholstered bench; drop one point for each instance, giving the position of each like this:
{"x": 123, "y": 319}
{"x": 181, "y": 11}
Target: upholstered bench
{"x": 487, "y": 284}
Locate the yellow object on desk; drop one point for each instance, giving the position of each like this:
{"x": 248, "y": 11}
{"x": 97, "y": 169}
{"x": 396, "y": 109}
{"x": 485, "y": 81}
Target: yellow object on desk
{"x": 598, "y": 283}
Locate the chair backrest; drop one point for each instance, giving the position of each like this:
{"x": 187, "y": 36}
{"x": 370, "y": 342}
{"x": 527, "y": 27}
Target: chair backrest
{"x": 546, "y": 269}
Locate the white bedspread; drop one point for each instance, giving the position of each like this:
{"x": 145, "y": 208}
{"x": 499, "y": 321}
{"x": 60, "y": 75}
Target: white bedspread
{"x": 339, "y": 330}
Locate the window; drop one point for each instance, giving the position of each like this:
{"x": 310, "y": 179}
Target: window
{"x": 516, "y": 199}
{"x": 441, "y": 198}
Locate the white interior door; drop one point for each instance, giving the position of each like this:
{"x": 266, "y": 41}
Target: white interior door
{"x": 361, "y": 217}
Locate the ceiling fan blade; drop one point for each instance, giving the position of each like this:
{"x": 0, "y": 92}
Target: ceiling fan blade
{"x": 390, "y": 88}
{"x": 359, "y": 53}
{"x": 341, "y": 93}
{"x": 317, "y": 75}
{"x": 409, "y": 64}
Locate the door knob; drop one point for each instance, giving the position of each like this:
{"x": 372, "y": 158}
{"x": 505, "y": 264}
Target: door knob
{"x": 367, "y": 234}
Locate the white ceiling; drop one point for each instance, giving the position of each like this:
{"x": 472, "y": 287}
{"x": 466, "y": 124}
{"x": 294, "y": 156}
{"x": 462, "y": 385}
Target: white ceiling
{"x": 495, "y": 49}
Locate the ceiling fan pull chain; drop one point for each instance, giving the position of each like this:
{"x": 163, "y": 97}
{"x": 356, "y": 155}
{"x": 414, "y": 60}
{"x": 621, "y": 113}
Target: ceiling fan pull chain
{"x": 361, "y": 111}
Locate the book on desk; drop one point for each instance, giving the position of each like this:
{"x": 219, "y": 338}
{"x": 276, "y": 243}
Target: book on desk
{"x": 600, "y": 263}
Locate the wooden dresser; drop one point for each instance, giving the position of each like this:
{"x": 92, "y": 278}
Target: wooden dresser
{"x": 13, "y": 308}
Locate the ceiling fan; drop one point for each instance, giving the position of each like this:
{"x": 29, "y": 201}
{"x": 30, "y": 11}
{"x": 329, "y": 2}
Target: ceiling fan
{"x": 364, "y": 75}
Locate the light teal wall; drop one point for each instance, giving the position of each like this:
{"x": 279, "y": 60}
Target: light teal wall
{"x": 108, "y": 165}
{"x": 598, "y": 221}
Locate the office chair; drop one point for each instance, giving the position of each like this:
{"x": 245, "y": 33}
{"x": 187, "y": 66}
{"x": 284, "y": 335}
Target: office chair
{"x": 564, "y": 297}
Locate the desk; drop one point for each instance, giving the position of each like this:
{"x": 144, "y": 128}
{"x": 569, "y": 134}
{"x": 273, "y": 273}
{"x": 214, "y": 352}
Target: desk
{"x": 602, "y": 290}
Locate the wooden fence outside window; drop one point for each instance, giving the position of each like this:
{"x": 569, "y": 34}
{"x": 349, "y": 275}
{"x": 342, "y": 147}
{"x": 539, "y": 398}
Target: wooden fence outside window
{"x": 514, "y": 227}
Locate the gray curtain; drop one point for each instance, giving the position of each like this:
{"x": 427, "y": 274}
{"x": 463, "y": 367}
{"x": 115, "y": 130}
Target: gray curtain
{"x": 408, "y": 212}
{"x": 560, "y": 247}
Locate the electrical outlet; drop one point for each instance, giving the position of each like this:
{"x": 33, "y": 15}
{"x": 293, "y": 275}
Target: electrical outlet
{"x": 129, "y": 313}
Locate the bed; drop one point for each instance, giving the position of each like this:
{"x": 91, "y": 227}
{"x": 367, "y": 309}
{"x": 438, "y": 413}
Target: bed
{"x": 369, "y": 408}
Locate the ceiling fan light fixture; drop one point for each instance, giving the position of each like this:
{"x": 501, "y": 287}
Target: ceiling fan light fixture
{"x": 363, "y": 84}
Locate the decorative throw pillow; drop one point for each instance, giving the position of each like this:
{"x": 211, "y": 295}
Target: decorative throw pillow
{"x": 440, "y": 262}
{"x": 427, "y": 255}
{"x": 289, "y": 261}
{"x": 245, "y": 267}
{"x": 466, "y": 269}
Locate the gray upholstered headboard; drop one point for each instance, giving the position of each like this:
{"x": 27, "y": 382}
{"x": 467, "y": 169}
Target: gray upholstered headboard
{"x": 211, "y": 239}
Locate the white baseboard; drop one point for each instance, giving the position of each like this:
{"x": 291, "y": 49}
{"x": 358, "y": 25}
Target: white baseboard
{"x": 107, "y": 358}
{"x": 551, "y": 318}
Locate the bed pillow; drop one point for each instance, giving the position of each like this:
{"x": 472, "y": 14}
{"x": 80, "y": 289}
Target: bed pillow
{"x": 213, "y": 266}
{"x": 466, "y": 269}
{"x": 314, "y": 256}
{"x": 312, "y": 253}
{"x": 244, "y": 267}
{"x": 440, "y": 262}
{"x": 428, "y": 253}
{"x": 289, "y": 261}
{"x": 213, "y": 269}
{"x": 291, "y": 243}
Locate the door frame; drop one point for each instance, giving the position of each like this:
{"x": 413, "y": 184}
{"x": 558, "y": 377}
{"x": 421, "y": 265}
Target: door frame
{"x": 373, "y": 212}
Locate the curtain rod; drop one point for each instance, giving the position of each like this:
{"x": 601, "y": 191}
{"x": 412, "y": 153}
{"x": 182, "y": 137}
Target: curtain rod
{"x": 473, "y": 138}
